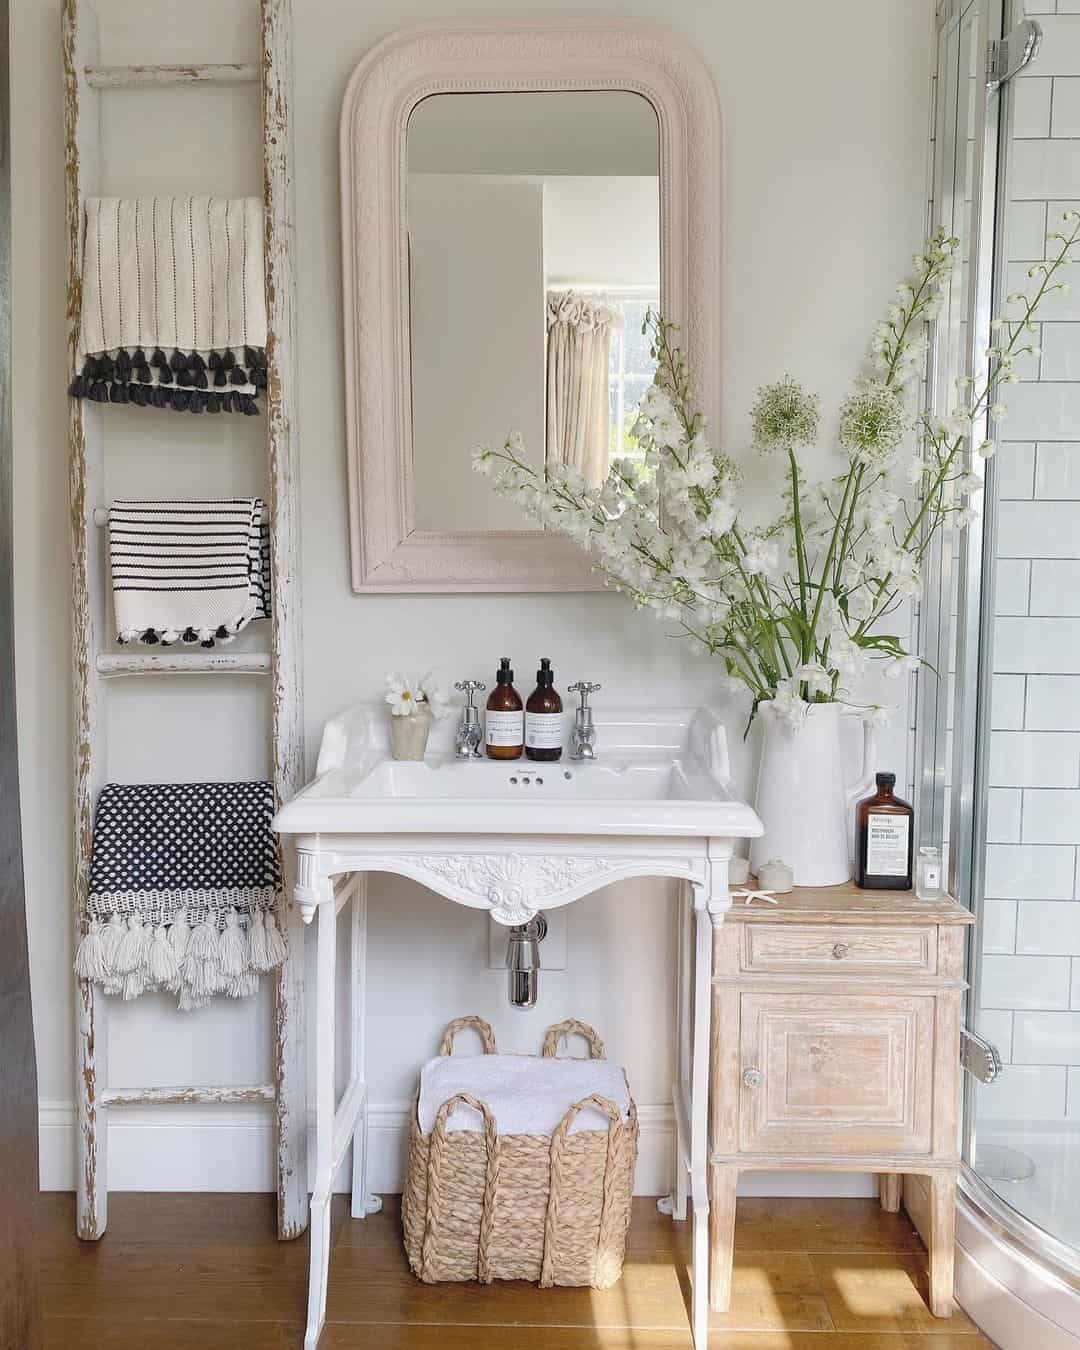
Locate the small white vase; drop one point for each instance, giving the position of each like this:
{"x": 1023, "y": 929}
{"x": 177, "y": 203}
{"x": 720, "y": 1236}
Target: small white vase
{"x": 409, "y": 735}
{"x": 803, "y": 802}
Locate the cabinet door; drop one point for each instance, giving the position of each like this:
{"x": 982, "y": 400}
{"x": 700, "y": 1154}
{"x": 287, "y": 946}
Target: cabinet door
{"x": 836, "y": 1074}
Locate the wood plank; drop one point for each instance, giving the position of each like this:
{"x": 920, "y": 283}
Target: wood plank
{"x": 279, "y": 213}
{"x": 847, "y": 903}
{"x": 812, "y": 1225}
{"x": 882, "y": 1294}
{"x": 116, "y": 77}
{"x": 112, "y": 664}
{"x": 188, "y": 1096}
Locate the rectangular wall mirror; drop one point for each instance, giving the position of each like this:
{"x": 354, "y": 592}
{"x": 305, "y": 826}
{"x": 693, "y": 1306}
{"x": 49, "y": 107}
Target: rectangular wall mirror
{"x": 506, "y": 231}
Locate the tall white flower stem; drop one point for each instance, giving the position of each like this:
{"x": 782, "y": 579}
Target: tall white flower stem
{"x": 665, "y": 526}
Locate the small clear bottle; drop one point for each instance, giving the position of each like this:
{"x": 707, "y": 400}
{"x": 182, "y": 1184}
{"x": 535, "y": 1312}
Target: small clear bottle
{"x": 930, "y": 874}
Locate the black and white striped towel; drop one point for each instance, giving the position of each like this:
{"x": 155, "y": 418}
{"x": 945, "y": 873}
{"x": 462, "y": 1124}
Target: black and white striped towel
{"x": 188, "y": 571}
{"x": 173, "y": 303}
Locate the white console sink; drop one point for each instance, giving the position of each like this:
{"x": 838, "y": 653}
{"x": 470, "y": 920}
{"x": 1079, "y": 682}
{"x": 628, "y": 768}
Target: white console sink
{"x": 656, "y": 773}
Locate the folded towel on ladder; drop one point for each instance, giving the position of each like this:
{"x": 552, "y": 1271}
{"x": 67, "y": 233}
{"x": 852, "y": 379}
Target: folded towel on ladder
{"x": 173, "y": 303}
{"x": 188, "y": 571}
{"x": 183, "y": 884}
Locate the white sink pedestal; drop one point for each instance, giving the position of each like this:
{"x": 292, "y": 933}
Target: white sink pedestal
{"x": 658, "y": 803}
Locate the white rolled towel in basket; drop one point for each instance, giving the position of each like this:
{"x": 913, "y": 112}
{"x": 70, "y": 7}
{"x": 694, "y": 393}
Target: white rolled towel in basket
{"x": 526, "y": 1095}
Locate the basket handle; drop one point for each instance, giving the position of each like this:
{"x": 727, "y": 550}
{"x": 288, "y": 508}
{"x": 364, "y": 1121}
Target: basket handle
{"x": 482, "y": 1029}
{"x": 615, "y": 1143}
{"x": 572, "y": 1027}
{"x": 436, "y": 1164}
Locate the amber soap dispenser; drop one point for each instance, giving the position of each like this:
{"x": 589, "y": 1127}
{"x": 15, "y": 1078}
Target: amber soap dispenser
{"x": 543, "y": 717}
{"x": 884, "y": 837}
{"x": 504, "y": 721}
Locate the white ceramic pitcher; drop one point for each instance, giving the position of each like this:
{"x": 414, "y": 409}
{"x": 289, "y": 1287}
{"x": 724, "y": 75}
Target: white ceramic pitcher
{"x": 804, "y": 804}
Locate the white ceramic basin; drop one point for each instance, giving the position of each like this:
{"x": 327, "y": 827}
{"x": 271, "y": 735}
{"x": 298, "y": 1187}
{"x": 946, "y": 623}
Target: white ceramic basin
{"x": 656, "y": 773}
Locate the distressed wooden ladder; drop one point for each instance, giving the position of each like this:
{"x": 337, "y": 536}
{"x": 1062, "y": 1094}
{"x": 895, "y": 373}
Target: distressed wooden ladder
{"x": 83, "y": 76}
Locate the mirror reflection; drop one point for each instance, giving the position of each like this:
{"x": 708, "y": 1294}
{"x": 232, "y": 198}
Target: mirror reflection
{"x": 534, "y": 254}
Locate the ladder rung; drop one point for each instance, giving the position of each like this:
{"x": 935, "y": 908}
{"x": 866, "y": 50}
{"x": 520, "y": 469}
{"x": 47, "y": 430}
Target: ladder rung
{"x": 188, "y": 1096}
{"x": 101, "y": 516}
{"x": 185, "y": 663}
{"x": 114, "y": 77}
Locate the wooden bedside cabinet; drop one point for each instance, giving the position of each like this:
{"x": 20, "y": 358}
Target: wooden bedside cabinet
{"x": 836, "y": 1046}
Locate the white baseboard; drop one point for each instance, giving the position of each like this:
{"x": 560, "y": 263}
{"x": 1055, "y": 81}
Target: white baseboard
{"x": 230, "y": 1148}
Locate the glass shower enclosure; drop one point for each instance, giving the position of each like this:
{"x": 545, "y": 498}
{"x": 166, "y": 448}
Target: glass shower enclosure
{"x": 998, "y": 738}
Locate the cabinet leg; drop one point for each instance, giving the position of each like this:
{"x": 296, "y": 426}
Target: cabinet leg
{"x": 942, "y": 1242}
{"x": 890, "y": 1189}
{"x": 723, "y": 1182}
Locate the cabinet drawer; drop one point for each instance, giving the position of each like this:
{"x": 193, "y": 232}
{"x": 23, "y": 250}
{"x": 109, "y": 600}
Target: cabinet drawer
{"x": 837, "y": 949}
{"x": 836, "y": 1074}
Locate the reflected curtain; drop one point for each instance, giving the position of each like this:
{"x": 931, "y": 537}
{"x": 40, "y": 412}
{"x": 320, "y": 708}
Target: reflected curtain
{"x": 578, "y": 353}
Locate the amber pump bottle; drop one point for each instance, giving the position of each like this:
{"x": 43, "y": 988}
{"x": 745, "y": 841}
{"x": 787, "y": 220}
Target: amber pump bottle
{"x": 504, "y": 723}
{"x": 543, "y": 717}
{"x": 884, "y": 836}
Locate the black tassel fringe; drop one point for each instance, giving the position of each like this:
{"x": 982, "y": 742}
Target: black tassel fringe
{"x": 182, "y": 385}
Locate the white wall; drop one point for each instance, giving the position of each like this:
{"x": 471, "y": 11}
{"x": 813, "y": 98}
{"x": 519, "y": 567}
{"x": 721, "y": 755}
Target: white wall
{"x": 602, "y": 231}
{"x": 825, "y": 133}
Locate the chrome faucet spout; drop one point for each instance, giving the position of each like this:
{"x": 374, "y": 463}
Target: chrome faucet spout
{"x": 583, "y": 735}
{"x": 470, "y": 735}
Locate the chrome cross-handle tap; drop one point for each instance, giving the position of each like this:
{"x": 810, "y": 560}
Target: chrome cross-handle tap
{"x": 583, "y": 736}
{"x": 469, "y": 736}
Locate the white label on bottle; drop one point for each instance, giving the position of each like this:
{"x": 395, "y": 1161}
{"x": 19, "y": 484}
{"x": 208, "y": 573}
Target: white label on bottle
{"x": 932, "y": 876}
{"x": 887, "y": 845}
{"x": 543, "y": 731}
{"x": 504, "y": 728}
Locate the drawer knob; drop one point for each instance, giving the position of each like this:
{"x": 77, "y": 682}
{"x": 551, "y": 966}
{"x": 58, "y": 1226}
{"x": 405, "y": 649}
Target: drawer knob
{"x": 752, "y": 1078}
{"x": 839, "y": 951}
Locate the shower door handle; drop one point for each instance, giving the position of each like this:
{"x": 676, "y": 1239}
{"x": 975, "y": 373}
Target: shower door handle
{"x": 979, "y": 1057}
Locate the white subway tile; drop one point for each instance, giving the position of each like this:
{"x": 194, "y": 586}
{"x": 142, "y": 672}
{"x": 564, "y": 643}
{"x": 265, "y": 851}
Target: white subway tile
{"x": 1014, "y": 465}
{"x": 1025, "y": 225}
{"x": 1007, "y": 694}
{"x": 1051, "y": 817}
{"x": 1003, "y": 816}
{"x": 1054, "y": 590}
{"x": 1053, "y": 703}
{"x": 1048, "y": 928}
{"x": 1074, "y": 993}
{"x": 1046, "y": 1038}
{"x": 1058, "y": 306}
{"x": 1029, "y": 872}
{"x": 1011, "y": 586}
{"x": 1059, "y": 53}
{"x": 1024, "y": 1092}
{"x": 1037, "y": 647}
{"x": 1072, "y": 1109}
{"x": 995, "y": 1024}
{"x": 1042, "y": 411}
{"x": 1060, "y": 343}
{"x": 1057, "y": 463}
{"x": 1049, "y": 529}
{"x": 1031, "y": 108}
{"x": 999, "y": 926}
{"x": 1034, "y": 759}
{"x": 1045, "y": 169}
{"x": 1022, "y": 982}
{"x": 1066, "y": 120}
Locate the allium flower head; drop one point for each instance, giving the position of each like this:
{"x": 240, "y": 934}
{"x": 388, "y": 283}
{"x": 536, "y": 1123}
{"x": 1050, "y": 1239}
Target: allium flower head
{"x": 784, "y": 415}
{"x": 872, "y": 423}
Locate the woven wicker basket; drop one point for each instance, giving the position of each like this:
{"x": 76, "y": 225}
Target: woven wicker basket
{"x": 485, "y": 1206}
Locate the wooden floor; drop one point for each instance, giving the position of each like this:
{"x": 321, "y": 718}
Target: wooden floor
{"x": 198, "y": 1272}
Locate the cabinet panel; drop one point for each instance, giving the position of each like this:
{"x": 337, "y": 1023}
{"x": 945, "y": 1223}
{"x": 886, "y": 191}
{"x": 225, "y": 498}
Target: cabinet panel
{"x": 838, "y": 949}
{"x": 836, "y": 1073}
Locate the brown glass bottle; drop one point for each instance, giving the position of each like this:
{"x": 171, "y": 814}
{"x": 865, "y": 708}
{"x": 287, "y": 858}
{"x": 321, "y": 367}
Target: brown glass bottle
{"x": 884, "y": 837}
{"x": 543, "y": 717}
{"x": 504, "y": 723}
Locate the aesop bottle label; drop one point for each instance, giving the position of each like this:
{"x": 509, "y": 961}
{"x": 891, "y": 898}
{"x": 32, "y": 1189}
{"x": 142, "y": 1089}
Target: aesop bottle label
{"x": 504, "y": 728}
{"x": 887, "y": 845}
{"x": 543, "y": 731}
